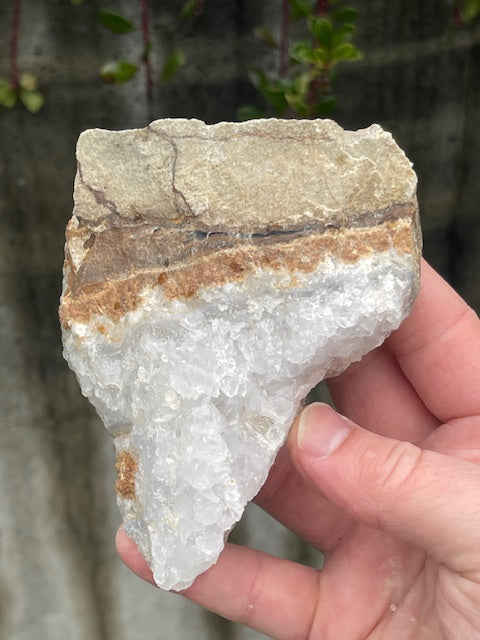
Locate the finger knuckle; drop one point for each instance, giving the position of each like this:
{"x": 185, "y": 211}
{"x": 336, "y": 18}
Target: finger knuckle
{"x": 389, "y": 476}
{"x": 248, "y": 611}
{"x": 399, "y": 467}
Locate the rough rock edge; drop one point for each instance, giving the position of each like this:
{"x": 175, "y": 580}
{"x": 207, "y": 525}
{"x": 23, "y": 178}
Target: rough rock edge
{"x": 111, "y": 259}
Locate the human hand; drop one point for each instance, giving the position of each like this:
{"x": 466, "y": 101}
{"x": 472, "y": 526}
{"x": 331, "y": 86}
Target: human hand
{"x": 393, "y": 503}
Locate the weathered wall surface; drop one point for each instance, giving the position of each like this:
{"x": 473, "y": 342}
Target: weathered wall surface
{"x": 59, "y": 575}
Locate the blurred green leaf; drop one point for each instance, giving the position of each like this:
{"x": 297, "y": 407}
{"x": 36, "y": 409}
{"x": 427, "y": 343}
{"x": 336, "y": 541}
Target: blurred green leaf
{"x": 259, "y": 78}
{"x": 277, "y": 101}
{"x": 31, "y": 100}
{"x": 189, "y": 9}
{"x": 8, "y": 95}
{"x": 347, "y": 15}
{"x": 175, "y": 60}
{"x": 265, "y": 36}
{"x": 321, "y": 58}
{"x": 300, "y": 8}
{"x": 322, "y": 30}
{"x": 78, "y": 2}
{"x": 326, "y": 106}
{"x": 273, "y": 91}
{"x": 343, "y": 33}
{"x": 470, "y": 10}
{"x": 297, "y": 103}
{"x": 115, "y": 22}
{"x": 345, "y": 51}
{"x": 249, "y": 112}
{"x": 302, "y": 81}
{"x": 118, "y": 71}
{"x": 302, "y": 52}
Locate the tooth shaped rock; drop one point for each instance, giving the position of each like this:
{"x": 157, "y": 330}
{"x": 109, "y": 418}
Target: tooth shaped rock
{"x": 213, "y": 275}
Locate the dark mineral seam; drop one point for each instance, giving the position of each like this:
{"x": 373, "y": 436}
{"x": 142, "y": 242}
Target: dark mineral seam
{"x": 148, "y": 246}
{"x": 336, "y": 221}
{"x": 100, "y": 197}
{"x": 178, "y": 193}
{"x": 175, "y": 247}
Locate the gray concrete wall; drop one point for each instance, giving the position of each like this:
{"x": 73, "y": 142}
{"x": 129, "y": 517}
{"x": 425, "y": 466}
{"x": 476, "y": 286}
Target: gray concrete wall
{"x": 59, "y": 574}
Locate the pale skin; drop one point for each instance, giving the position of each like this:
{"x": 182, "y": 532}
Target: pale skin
{"x": 391, "y": 494}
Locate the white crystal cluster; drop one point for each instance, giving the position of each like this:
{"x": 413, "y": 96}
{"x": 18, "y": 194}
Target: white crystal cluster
{"x": 202, "y": 392}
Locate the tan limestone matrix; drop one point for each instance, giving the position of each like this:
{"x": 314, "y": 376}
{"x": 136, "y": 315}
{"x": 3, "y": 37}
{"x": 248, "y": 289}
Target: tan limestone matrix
{"x": 213, "y": 275}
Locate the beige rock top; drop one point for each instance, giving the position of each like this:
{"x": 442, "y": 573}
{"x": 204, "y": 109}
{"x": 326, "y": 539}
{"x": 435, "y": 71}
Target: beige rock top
{"x": 183, "y": 205}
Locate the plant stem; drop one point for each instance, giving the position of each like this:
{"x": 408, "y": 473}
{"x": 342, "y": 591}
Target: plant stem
{"x": 322, "y": 7}
{"x": 14, "y": 34}
{"x": 457, "y": 16}
{"x": 283, "y": 46}
{"x": 146, "y": 56}
{"x": 200, "y": 8}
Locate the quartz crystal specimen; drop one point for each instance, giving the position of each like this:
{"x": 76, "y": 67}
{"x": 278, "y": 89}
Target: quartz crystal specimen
{"x": 213, "y": 275}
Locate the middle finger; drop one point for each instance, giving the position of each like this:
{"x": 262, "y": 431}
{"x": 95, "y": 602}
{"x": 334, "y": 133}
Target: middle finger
{"x": 375, "y": 394}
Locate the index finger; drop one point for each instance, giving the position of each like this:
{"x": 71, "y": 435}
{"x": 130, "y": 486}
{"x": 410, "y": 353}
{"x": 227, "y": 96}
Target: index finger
{"x": 438, "y": 349}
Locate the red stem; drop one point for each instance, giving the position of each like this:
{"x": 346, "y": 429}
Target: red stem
{"x": 200, "y": 8}
{"x": 14, "y": 34}
{"x": 322, "y": 7}
{"x": 457, "y": 16}
{"x": 283, "y": 46}
{"x": 146, "y": 54}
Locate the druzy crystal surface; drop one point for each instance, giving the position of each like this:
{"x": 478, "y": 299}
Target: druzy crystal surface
{"x": 213, "y": 275}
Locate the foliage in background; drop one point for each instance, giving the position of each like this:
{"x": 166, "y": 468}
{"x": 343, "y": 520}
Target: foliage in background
{"x": 315, "y": 37}
{"x": 25, "y": 91}
{"x": 465, "y": 15}
{"x": 468, "y": 10}
{"x": 21, "y": 87}
{"x": 119, "y": 71}
{"x": 303, "y": 83}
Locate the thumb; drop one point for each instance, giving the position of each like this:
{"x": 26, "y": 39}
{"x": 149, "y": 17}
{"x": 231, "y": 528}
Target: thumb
{"x": 425, "y": 498}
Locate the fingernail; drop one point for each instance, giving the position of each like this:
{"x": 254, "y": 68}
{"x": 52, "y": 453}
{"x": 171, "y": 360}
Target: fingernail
{"x": 321, "y": 430}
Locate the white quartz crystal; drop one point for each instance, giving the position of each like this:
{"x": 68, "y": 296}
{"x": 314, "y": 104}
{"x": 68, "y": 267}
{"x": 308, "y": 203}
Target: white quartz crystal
{"x": 204, "y": 391}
